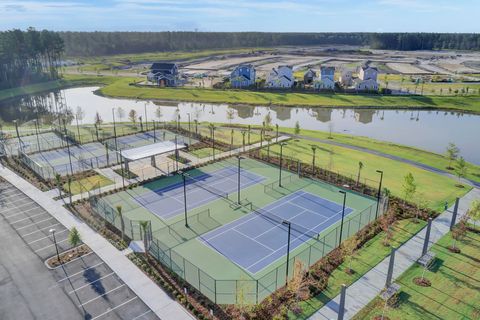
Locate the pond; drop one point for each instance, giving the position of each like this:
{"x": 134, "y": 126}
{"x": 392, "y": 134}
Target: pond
{"x": 425, "y": 129}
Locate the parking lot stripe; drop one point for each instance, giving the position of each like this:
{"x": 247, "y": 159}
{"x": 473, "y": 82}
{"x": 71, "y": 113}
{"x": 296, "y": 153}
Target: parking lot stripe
{"x": 29, "y": 217}
{"x": 27, "y": 234}
{"x": 74, "y": 274}
{"x": 35, "y": 223}
{"x": 120, "y": 286}
{"x": 10, "y": 209}
{"x": 139, "y": 316}
{"x": 110, "y": 310}
{"x": 50, "y": 245}
{"x": 57, "y": 233}
{"x": 86, "y": 285}
{"x": 23, "y": 212}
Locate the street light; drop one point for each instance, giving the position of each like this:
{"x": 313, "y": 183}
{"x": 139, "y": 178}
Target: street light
{"x": 114, "y": 129}
{"x": 52, "y": 231}
{"x": 176, "y": 153}
{"x": 280, "y": 172}
{"x": 238, "y": 197}
{"x": 184, "y": 196}
{"x": 146, "y": 119}
{"x": 36, "y": 131}
{"x": 343, "y": 214}
{"x": 69, "y": 155}
{"x": 314, "y": 148}
{"x": 213, "y": 139}
{"x": 154, "y": 132}
{"x": 379, "y": 191}
{"x": 288, "y": 247}
{"x": 18, "y": 135}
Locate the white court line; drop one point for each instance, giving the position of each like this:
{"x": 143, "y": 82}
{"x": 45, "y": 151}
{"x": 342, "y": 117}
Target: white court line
{"x": 51, "y": 245}
{"x": 23, "y": 212}
{"x": 110, "y": 310}
{"x": 77, "y": 273}
{"x": 45, "y": 237}
{"x": 263, "y": 245}
{"x": 30, "y": 233}
{"x": 139, "y": 316}
{"x": 35, "y": 223}
{"x": 110, "y": 291}
{"x": 261, "y": 234}
{"x": 88, "y": 284}
{"x": 29, "y": 217}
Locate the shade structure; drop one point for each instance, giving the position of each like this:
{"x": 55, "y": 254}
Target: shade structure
{"x": 151, "y": 150}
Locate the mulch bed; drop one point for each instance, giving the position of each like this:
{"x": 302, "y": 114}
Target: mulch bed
{"x": 454, "y": 249}
{"x": 68, "y": 255}
{"x": 422, "y": 282}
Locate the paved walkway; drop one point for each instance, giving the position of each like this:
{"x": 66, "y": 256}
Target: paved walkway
{"x": 389, "y": 156}
{"x": 361, "y": 292}
{"x": 153, "y": 296}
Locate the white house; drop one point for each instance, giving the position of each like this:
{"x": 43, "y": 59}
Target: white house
{"x": 242, "y": 76}
{"x": 346, "y": 78}
{"x": 367, "y": 73}
{"x": 366, "y": 85}
{"x": 281, "y": 77}
{"x": 326, "y": 79}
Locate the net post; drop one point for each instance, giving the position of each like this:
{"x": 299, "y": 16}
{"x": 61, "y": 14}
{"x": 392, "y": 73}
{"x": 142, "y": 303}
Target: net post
{"x": 256, "y": 296}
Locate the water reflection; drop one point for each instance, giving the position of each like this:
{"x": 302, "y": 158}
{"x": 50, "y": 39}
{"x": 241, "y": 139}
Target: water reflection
{"x": 427, "y": 129}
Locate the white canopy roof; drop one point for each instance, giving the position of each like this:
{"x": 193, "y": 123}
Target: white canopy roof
{"x": 151, "y": 150}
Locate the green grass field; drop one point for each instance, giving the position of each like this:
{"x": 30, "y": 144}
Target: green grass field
{"x": 221, "y": 212}
{"x": 432, "y": 188}
{"x": 372, "y": 253}
{"x": 454, "y": 293}
{"x": 87, "y": 184}
{"x": 121, "y": 88}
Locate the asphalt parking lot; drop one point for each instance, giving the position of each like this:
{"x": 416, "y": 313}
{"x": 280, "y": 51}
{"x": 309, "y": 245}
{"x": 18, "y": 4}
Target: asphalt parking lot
{"x": 84, "y": 288}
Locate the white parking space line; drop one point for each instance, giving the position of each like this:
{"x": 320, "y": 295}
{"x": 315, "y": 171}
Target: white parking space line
{"x": 23, "y": 212}
{"x": 110, "y": 291}
{"x": 16, "y": 208}
{"x": 57, "y": 233}
{"x": 30, "y": 233}
{"x": 51, "y": 245}
{"x": 29, "y": 217}
{"x": 76, "y": 273}
{"x": 139, "y": 316}
{"x": 88, "y": 284}
{"x": 35, "y": 223}
{"x": 118, "y": 306}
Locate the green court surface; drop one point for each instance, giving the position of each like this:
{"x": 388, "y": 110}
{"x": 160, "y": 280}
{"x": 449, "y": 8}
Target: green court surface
{"x": 215, "y": 275}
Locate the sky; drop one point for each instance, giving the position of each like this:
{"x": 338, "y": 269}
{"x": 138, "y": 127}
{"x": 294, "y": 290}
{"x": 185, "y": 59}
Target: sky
{"x": 243, "y": 15}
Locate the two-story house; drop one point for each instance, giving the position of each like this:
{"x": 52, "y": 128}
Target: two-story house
{"x": 242, "y": 76}
{"x": 367, "y": 79}
{"x": 163, "y": 74}
{"x": 281, "y": 77}
{"x": 326, "y": 80}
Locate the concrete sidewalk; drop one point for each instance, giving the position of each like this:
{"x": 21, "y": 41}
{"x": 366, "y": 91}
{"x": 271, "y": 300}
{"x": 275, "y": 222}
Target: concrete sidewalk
{"x": 360, "y": 293}
{"x": 152, "y": 295}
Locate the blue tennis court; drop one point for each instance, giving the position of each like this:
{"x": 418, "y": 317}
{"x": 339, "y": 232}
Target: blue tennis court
{"x": 255, "y": 241}
{"x": 168, "y": 202}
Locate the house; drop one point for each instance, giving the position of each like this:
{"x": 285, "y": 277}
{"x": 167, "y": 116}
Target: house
{"x": 367, "y": 79}
{"x": 164, "y": 74}
{"x": 367, "y": 73}
{"x": 346, "y": 78}
{"x": 326, "y": 79}
{"x": 309, "y": 76}
{"x": 281, "y": 77}
{"x": 242, "y": 76}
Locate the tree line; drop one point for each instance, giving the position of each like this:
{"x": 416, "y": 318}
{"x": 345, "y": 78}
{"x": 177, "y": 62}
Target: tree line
{"x": 29, "y": 56}
{"x": 107, "y": 43}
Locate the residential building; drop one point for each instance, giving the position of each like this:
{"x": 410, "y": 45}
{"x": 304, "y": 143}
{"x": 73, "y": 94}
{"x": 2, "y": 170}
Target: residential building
{"x": 309, "y": 76}
{"x": 367, "y": 73}
{"x": 281, "y": 77}
{"x": 367, "y": 79}
{"x": 242, "y": 76}
{"x": 164, "y": 74}
{"x": 326, "y": 79}
{"x": 346, "y": 78}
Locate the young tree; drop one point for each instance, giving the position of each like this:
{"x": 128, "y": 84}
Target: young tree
{"x": 79, "y": 114}
{"x": 144, "y": 227}
{"x": 119, "y": 214}
{"x": 360, "y": 167}
{"x": 58, "y": 181}
{"x": 120, "y": 113}
{"x": 74, "y": 237}
{"x": 409, "y": 186}
{"x": 349, "y": 248}
{"x": 297, "y": 128}
{"x": 268, "y": 121}
{"x": 132, "y": 116}
{"x": 158, "y": 113}
{"x": 69, "y": 182}
{"x": 98, "y": 119}
{"x": 452, "y": 154}
{"x": 230, "y": 114}
{"x": 460, "y": 168}
{"x": 474, "y": 212}
{"x": 458, "y": 232}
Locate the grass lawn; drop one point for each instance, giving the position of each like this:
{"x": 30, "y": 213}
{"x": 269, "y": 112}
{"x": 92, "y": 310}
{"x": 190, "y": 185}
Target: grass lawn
{"x": 87, "y": 184}
{"x": 372, "y": 253}
{"x": 455, "y": 290}
{"x": 204, "y": 152}
{"x": 432, "y": 189}
{"x": 410, "y": 153}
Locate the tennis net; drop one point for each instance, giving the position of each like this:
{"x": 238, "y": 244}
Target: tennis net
{"x": 207, "y": 187}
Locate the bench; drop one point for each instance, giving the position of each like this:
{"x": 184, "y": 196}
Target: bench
{"x": 427, "y": 259}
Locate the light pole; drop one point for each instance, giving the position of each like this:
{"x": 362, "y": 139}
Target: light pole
{"x": 343, "y": 214}
{"x": 276, "y": 127}
{"x": 52, "y": 231}
{"x": 185, "y": 196}
{"x": 146, "y": 119}
{"x": 379, "y": 191}
{"x": 18, "y": 134}
{"x": 213, "y": 141}
{"x": 78, "y": 129}
{"x": 189, "y": 132}
{"x": 314, "y": 148}
{"x": 238, "y": 197}
{"x": 114, "y": 129}
{"x": 176, "y": 153}
{"x": 69, "y": 155}
{"x": 243, "y": 137}
{"x": 154, "y": 132}
{"x": 36, "y": 131}
{"x": 280, "y": 171}
{"x": 288, "y": 247}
